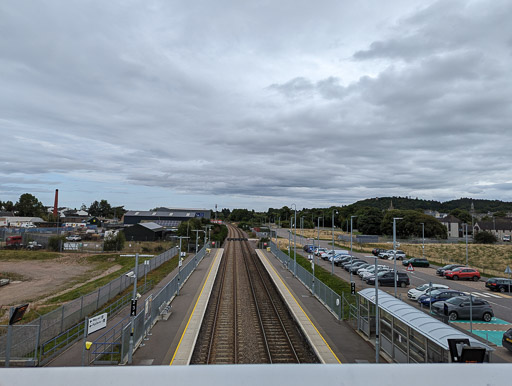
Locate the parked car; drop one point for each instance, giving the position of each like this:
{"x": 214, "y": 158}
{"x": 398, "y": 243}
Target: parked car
{"x": 34, "y": 245}
{"x": 370, "y": 271}
{"x": 346, "y": 266}
{"x": 506, "y": 341}
{"x": 390, "y": 254}
{"x": 438, "y": 296}
{"x": 355, "y": 267}
{"x": 387, "y": 278}
{"x": 442, "y": 270}
{"x": 506, "y": 238}
{"x": 339, "y": 260}
{"x": 376, "y": 251}
{"x": 318, "y": 251}
{"x": 415, "y": 293}
{"x": 499, "y": 284}
{"x": 464, "y": 307}
{"x": 416, "y": 262}
{"x": 309, "y": 247}
{"x": 463, "y": 273}
{"x": 73, "y": 238}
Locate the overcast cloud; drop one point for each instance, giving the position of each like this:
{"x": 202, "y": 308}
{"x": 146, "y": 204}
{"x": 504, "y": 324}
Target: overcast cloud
{"x": 255, "y": 104}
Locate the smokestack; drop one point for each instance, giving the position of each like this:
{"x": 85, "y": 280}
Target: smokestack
{"x": 56, "y": 204}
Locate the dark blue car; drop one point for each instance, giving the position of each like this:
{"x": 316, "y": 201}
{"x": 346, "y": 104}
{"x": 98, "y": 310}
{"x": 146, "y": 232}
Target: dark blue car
{"x": 439, "y": 295}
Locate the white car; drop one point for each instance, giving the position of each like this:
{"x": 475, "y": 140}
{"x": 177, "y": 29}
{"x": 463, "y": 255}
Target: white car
{"x": 371, "y": 273}
{"x": 423, "y": 289}
{"x": 73, "y": 238}
{"x": 390, "y": 255}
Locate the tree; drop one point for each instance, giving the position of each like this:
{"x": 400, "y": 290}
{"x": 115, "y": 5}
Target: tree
{"x": 114, "y": 242}
{"x": 462, "y": 215}
{"x": 485, "y": 237}
{"x": 368, "y": 220}
{"x": 94, "y": 209}
{"x": 29, "y": 206}
{"x": 410, "y": 224}
{"x": 8, "y": 206}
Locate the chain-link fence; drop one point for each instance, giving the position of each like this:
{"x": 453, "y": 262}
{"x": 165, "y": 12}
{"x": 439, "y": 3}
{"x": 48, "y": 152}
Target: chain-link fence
{"x": 68, "y": 315}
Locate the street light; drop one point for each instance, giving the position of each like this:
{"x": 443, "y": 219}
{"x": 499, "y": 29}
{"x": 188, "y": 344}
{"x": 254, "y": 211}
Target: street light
{"x": 351, "y": 217}
{"x": 133, "y": 309}
{"x": 179, "y": 264}
{"x": 295, "y": 243}
{"x": 377, "y": 343}
{"x": 423, "y": 238}
{"x": 332, "y": 257}
{"x": 466, "y": 229}
{"x": 394, "y": 249}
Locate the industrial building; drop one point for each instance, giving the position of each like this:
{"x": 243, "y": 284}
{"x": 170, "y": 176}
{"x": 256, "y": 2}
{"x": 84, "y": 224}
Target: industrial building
{"x": 166, "y": 217}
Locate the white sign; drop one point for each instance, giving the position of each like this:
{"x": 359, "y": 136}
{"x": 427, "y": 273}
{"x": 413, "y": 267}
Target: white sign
{"x": 183, "y": 254}
{"x": 410, "y": 268}
{"x": 97, "y": 323}
{"x": 180, "y": 262}
{"x": 508, "y": 270}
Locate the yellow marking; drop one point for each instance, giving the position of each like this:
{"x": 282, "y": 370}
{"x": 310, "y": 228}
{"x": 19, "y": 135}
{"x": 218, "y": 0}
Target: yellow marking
{"x": 505, "y": 296}
{"x": 306, "y": 315}
{"x": 195, "y": 305}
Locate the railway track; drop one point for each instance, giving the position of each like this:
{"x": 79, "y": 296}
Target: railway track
{"x": 246, "y": 320}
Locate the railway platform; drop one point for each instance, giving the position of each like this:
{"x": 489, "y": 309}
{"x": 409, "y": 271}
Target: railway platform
{"x": 172, "y": 341}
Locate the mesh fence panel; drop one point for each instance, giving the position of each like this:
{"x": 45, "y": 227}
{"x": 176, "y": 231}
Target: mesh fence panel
{"x": 23, "y": 341}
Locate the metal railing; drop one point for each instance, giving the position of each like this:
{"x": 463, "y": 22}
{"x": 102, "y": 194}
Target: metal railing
{"x": 337, "y": 304}
{"x": 58, "y": 321}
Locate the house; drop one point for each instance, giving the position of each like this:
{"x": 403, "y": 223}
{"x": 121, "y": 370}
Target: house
{"x": 499, "y": 227}
{"x": 453, "y": 226}
{"x": 147, "y": 231}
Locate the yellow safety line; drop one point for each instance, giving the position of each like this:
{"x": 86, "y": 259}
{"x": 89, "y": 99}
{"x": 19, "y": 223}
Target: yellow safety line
{"x": 195, "y": 305}
{"x": 293, "y": 297}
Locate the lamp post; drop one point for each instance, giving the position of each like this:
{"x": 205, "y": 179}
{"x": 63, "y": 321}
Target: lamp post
{"x": 179, "y": 264}
{"x": 133, "y": 309}
{"x": 377, "y": 342}
{"x": 466, "y": 229}
{"x": 351, "y": 217}
{"x": 295, "y": 242}
{"x": 423, "y": 240}
{"x": 394, "y": 250}
{"x": 302, "y": 229}
{"x": 332, "y": 257}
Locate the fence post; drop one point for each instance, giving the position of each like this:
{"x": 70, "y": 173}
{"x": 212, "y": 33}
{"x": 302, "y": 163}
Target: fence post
{"x": 98, "y": 299}
{"x": 62, "y": 319}
{"x": 81, "y": 306}
{"x": 342, "y": 305}
{"x": 110, "y": 290}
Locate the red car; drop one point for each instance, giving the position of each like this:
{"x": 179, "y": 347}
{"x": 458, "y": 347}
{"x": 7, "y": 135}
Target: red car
{"x": 463, "y": 273}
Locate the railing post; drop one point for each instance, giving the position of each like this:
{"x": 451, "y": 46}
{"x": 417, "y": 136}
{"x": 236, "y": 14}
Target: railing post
{"x": 62, "y": 319}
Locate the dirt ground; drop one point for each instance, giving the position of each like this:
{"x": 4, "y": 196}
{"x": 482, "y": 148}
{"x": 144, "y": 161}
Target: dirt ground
{"x": 42, "y": 278}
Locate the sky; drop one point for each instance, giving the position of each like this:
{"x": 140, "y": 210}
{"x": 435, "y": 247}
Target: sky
{"x": 257, "y": 104}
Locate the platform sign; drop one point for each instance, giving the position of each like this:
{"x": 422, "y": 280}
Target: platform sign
{"x": 133, "y": 308}
{"x": 97, "y": 323}
{"x": 180, "y": 262}
{"x": 410, "y": 268}
{"x": 352, "y": 288}
{"x": 17, "y": 314}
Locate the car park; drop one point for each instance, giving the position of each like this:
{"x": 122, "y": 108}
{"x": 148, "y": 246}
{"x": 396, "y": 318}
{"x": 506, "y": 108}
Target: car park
{"x": 387, "y": 278}
{"x": 346, "y": 266}
{"x": 442, "y": 270}
{"x": 499, "y": 284}
{"x": 464, "y": 307}
{"x": 342, "y": 259}
{"x": 376, "y": 251}
{"x": 463, "y": 273}
{"x": 506, "y": 341}
{"x": 438, "y": 296}
{"x": 415, "y": 293}
{"x": 370, "y": 271}
{"x": 416, "y": 262}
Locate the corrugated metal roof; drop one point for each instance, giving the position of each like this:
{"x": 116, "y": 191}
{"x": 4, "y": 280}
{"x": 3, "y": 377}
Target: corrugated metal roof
{"x": 434, "y": 329}
{"x": 160, "y": 214}
{"x": 151, "y": 225}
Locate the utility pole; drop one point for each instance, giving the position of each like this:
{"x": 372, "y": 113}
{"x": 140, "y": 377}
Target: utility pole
{"x": 394, "y": 251}
{"x": 133, "y": 309}
{"x": 179, "y": 264}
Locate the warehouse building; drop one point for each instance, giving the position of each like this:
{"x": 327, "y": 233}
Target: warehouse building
{"x": 166, "y": 217}
{"x": 147, "y": 231}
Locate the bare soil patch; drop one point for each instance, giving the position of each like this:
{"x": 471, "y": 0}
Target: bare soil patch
{"x": 42, "y": 278}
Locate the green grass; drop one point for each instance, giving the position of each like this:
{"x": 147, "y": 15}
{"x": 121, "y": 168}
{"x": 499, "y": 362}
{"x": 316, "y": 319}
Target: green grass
{"x": 13, "y": 276}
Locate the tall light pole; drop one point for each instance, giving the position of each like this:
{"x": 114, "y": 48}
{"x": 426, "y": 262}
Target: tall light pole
{"x": 351, "y": 217}
{"x": 423, "y": 239}
{"x": 179, "y": 264}
{"x": 466, "y": 229}
{"x": 295, "y": 243}
{"x": 302, "y": 229}
{"x": 394, "y": 250}
{"x": 133, "y": 309}
{"x": 377, "y": 341}
{"x": 332, "y": 257}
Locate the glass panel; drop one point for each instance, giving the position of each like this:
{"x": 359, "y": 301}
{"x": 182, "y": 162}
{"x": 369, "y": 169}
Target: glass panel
{"x": 417, "y": 338}
{"x": 416, "y": 354}
{"x": 400, "y": 341}
{"x": 385, "y": 329}
{"x": 400, "y": 327}
{"x": 435, "y": 353}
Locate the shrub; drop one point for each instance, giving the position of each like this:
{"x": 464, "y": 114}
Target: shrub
{"x": 159, "y": 249}
{"x": 54, "y": 243}
{"x": 484, "y": 237}
{"x": 114, "y": 242}
{"x": 146, "y": 249}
